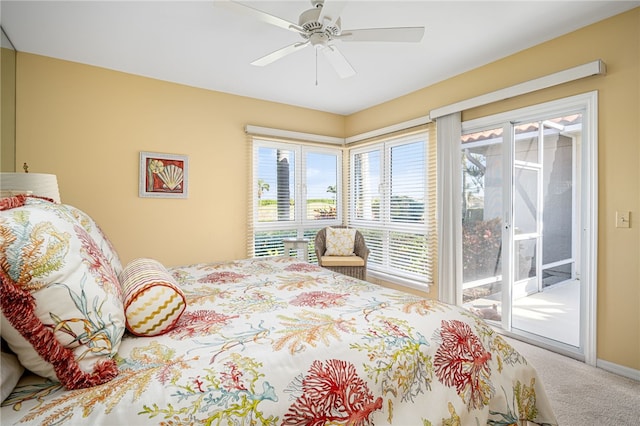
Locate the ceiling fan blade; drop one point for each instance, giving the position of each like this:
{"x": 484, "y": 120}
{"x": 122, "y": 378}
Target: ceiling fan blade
{"x": 331, "y": 10}
{"x": 260, "y": 15}
{"x": 338, "y": 61}
{"x": 279, "y": 54}
{"x": 402, "y": 34}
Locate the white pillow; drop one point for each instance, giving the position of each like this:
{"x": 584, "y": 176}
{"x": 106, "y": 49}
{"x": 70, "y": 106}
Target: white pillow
{"x": 62, "y": 311}
{"x": 340, "y": 241}
{"x": 95, "y": 232}
{"x": 11, "y": 372}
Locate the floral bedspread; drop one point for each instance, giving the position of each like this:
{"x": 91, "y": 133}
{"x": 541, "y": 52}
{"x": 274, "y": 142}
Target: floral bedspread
{"x": 275, "y": 341}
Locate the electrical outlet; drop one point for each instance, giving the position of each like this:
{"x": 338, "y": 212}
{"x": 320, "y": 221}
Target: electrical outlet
{"x": 623, "y": 219}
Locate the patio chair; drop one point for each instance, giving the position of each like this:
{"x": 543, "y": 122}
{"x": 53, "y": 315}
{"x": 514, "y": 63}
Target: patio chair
{"x": 353, "y": 264}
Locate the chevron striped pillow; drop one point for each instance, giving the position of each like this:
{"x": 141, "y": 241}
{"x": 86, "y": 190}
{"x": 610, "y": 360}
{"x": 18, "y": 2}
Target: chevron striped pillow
{"x": 153, "y": 302}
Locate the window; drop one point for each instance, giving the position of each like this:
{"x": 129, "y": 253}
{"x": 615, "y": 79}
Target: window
{"x": 296, "y": 192}
{"x": 392, "y": 205}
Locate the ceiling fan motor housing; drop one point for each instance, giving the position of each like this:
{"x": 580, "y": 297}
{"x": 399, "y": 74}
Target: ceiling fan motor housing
{"x": 317, "y": 33}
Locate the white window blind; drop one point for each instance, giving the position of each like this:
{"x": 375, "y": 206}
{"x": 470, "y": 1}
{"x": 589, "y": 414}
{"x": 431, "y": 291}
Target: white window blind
{"x": 392, "y": 202}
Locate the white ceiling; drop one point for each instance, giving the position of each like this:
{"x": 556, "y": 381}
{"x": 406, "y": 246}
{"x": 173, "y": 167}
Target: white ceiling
{"x": 201, "y": 44}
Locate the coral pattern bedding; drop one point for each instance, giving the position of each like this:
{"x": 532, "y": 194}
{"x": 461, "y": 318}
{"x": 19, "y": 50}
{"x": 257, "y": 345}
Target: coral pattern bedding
{"x": 276, "y": 341}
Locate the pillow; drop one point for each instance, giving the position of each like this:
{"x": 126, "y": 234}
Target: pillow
{"x": 62, "y": 311}
{"x": 153, "y": 302}
{"x": 98, "y": 236}
{"x": 11, "y": 371}
{"x": 340, "y": 241}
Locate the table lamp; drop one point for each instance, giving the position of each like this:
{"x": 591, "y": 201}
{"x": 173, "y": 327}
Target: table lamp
{"x": 40, "y": 184}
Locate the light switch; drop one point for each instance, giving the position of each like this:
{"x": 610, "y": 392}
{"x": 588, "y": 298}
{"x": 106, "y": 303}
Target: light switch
{"x": 623, "y": 219}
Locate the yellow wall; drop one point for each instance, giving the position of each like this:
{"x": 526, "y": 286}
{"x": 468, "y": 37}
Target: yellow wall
{"x": 617, "y": 42}
{"x": 87, "y": 125}
{"x": 7, "y": 109}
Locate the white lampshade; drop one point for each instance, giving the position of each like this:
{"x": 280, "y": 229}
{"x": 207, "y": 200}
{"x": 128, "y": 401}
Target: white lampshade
{"x": 43, "y": 185}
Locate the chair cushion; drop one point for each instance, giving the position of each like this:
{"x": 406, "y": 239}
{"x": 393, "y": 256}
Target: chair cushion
{"x": 340, "y": 241}
{"x": 341, "y": 261}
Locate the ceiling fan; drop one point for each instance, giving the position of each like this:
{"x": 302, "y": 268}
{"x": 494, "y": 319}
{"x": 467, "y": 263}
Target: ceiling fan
{"x": 321, "y": 27}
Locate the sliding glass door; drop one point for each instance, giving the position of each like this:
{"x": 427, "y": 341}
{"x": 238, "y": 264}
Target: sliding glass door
{"x": 482, "y": 220}
{"x": 521, "y": 213}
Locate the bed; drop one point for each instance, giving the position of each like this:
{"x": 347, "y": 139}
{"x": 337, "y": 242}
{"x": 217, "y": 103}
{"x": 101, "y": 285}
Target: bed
{"x": 264, "y": 341}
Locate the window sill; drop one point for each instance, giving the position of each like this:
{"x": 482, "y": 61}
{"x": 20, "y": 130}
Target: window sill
{"x": 399, "y": 283}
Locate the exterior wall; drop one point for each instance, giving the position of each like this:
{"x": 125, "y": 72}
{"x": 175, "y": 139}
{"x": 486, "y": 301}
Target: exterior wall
{"x": 617, "y": 42}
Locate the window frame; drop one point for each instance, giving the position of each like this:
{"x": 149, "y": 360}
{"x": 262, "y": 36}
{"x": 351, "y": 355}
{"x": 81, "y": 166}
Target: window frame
{"x": 385, "y": 224}
{"x": 300, "y": 226}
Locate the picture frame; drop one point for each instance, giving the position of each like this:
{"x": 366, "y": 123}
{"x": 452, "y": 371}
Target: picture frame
{"x": 163, "y": 175}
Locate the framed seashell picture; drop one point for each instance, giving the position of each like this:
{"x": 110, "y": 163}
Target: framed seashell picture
{"x": 163, "y": 175}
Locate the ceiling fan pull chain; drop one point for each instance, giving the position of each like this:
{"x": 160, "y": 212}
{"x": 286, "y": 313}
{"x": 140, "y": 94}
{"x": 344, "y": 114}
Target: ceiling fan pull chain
{"x": 316, "y": 66}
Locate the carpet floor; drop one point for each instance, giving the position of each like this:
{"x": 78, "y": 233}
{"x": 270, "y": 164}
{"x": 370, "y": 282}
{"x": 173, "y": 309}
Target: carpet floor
{"x": 582, "y": 395}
